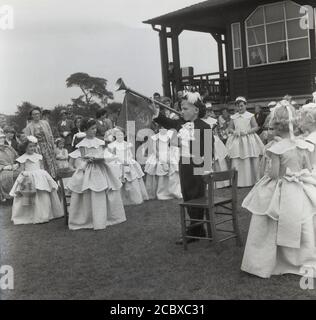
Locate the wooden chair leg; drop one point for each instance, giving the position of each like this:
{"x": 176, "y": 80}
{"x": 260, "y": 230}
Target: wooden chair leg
{"x": 208, "y": 224}
{"x": 212, "y": 219}
{"x": 239, "y": 241}
{"x": 183, "y": 228}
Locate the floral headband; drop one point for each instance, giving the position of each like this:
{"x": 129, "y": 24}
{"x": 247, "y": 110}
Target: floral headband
{"x": 32, "y": 139}
{"x": 192, "y": 97}
{"x": 240, "y": 99}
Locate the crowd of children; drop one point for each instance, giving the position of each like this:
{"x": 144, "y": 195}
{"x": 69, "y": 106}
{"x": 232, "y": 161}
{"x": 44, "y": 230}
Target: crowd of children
{"x": 280, "y": 164}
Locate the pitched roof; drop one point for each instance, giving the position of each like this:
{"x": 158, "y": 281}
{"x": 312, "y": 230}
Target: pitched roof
{"x": 196, "y": 8}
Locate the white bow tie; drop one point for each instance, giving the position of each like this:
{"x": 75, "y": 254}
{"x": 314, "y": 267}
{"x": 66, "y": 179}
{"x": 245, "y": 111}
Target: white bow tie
{"x": 189, "y": 125}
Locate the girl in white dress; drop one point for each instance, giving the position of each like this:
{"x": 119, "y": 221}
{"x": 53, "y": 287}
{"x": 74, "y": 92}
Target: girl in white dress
{"x": 131, "y": 173}
{"x": 281, "y": 237}
{"x": 220, "y": 151}
{"x": 244, "y": 146}
{"x": 96, "y": 197}
{"x": 162, "y": 166}
{"x": 34, "y": 191}
{"x": 61, "y": 154}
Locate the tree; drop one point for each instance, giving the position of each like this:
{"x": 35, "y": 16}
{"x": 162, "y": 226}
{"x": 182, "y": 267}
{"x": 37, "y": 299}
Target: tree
{"x": 21, "y": 115}
{"x": 93, "y": 89}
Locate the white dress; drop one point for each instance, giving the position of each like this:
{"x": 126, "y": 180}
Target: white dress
{"x": 96, "y": 197}
{"x": 162, "y": 168}
{"x": 245, "y": 151}
{"x": 220, "y": 154}
{"x": 281, "y": 237}
{"x": 265, "y": 161}
{"x": 78, "y": 162}
{"x": 44, "y": 204}
{"x": 311, "y": 138}
{"x": 61, "y": 158}
{"x": 131, "y": 173}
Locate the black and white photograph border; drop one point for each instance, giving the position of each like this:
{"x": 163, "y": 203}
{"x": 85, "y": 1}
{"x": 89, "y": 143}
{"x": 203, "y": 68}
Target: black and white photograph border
{"x": 157, "y": 150}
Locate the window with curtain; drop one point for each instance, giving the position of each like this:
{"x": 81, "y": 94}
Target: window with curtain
{"x": 237, "y": 54}
{"x": 274, "y": 34}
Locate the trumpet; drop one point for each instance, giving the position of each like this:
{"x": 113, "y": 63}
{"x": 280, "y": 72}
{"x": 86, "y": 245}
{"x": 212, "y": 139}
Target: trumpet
{"x": 120, "y": 85}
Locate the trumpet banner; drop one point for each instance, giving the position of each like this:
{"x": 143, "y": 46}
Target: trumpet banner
{"x": 135, "y": 109}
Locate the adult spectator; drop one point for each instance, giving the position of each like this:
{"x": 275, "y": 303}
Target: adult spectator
{"x": 156, "y": 96}
{"x": 46, "y": 115}
{"x": 204, "y": 95}
{"x": 177, "y": 104}
{"x": 223, "y": 123}
{"x": 10, "y": 138}
{"x": 103, "y": 123}
{"x": 169, "y": 114}
{"x": 42, "y": 131}
{"x": 75, "y": 131}
{"x": 260, "y": 118}
{"x": 21, "y": 139}
{"x": 64, "y": 128}
{"x": 267, "y": 130}
{"x": 8, "y": 169}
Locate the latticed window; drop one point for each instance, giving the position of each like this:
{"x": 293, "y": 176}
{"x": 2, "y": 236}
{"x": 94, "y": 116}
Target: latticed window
{"x": 274, "y": 34}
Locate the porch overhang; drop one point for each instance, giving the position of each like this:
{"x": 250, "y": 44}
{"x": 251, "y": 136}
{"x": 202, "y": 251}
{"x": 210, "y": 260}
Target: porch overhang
{"x": 208, "y": 16}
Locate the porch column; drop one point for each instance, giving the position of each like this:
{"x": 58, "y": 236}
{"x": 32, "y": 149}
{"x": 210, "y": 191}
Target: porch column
{"x": 164, "y": 61}
{"x": 175, "y": 32}
{"x": 313, "y": 56}
{"x": 220, "y": 56}
{"x": 222, "y": 85}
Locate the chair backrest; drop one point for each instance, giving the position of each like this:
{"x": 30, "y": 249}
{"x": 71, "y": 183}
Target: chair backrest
{"x": 221, "y": 176}
{"x": 212, "y": 178}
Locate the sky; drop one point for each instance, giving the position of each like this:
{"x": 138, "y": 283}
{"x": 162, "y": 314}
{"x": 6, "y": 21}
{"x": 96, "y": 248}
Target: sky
{"x": 52, "y": 39}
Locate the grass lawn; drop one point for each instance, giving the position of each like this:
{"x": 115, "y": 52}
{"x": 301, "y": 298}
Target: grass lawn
{"x": 134, "y": 260}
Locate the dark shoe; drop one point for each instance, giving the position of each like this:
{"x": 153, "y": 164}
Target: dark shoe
{"x": 190, "y": 240}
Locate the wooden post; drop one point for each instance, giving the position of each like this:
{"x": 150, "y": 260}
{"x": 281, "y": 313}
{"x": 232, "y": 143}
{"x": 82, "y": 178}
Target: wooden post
{"x": 164, "y": 61}
{"x": 175, "y": 32}
{"x": 222, "y": 85}
{"x": 220, "y": 55}
{"x": 229, "y": 61}
{"x": 313, "y": 56}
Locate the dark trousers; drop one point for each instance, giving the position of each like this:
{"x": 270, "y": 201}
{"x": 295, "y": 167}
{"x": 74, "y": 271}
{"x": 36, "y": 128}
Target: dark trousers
{"x": 192, "y": 187}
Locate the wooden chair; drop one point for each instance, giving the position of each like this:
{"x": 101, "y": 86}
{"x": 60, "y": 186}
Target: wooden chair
{"x": 61, "y": 174}
{"x": 211, "y": 203}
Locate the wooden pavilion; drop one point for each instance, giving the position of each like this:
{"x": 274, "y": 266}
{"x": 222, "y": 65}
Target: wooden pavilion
{"x": 266, "y": 49}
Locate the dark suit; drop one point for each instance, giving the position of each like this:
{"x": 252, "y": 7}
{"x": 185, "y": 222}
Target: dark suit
{"x": 260, "y": 118}
{"x": 66, "y": 128}
{"x": 192, "y": 185}
{"x": 103, "y": 127}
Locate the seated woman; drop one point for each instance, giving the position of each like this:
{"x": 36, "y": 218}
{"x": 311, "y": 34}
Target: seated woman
{"x": 8, "y": 169}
